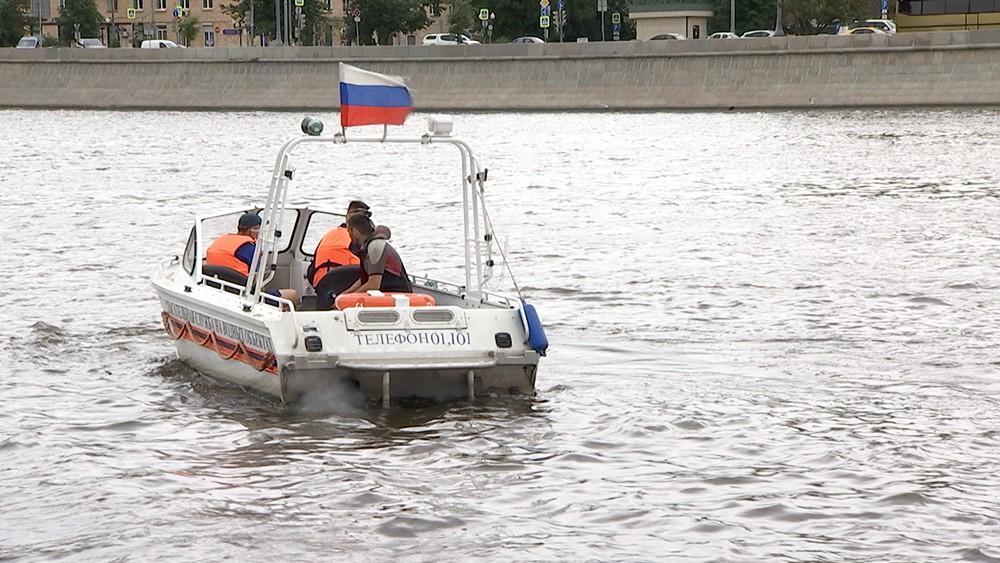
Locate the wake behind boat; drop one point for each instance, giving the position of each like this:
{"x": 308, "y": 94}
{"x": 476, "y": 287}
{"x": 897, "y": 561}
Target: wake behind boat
{"x": 444, "y": 340}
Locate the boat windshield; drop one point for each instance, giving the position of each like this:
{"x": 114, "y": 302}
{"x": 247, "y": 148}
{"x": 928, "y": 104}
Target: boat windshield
{"x": 217, "y": 225}
{"x": 319, "y": 224}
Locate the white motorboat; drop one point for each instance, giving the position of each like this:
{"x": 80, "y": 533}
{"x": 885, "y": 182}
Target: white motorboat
{"x": 446, "y": 340}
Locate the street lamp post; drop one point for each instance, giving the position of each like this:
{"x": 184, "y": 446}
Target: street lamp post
{"x": 250, "y": 26}
{"x": 732, "y": 17}
{"x": 779, "y": 29}
{"x": 40, "y": 34}
{"x": 277, "y": 21}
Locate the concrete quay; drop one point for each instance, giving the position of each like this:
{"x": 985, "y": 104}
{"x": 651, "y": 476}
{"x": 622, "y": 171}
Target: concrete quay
{"x": 905, "y": 70}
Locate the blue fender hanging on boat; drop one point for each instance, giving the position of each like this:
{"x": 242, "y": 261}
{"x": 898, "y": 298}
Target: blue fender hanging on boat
{"x": 536, "y": 334}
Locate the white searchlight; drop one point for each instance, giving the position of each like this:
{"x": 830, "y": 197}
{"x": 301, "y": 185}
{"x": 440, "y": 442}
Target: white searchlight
{"x": 439, "y": 126}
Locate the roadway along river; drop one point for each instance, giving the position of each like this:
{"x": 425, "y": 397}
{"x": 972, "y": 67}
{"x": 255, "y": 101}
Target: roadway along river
{"x": 774, "y": 338}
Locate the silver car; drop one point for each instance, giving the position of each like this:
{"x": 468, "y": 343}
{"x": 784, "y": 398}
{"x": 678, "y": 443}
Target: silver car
{"x": 30, "y": 42}
{"x": 90, "y": 43}
{"x": 668, "y": 36}
{"x": 759, "y": 33}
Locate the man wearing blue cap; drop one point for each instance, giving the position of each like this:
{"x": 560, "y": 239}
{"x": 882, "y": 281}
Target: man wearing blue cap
{"x": 235, "y": 251}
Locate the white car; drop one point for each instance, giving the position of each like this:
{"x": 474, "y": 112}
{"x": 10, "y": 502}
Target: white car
{"x": 160, "y": 44}
{"x": 723, "y": 35}
{"x": 759, "y": 33}
{"x": 888, "y": 26}
{"x": 668, "y": 36}
{"x": 864, "y": 31}
{"x": 448, "y": 39}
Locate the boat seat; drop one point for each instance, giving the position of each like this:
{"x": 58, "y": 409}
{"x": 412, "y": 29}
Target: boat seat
{"x": 225, "y": 274}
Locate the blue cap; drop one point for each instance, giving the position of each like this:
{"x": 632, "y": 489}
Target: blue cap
{"x": 249, "y": 220}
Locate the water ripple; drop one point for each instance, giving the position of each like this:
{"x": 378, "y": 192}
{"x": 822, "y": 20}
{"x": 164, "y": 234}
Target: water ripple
{"x": 773, "y": 340}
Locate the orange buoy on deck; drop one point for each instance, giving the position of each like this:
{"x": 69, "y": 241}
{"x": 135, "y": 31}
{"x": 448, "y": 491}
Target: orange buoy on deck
{"x": 379, "y": 299}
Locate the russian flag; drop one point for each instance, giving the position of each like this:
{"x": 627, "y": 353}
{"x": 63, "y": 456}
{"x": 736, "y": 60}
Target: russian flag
{"x": 370, "y": 98}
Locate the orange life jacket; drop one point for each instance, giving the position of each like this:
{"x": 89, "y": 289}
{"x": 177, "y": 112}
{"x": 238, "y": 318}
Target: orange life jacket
{"x": 223, "y": 252}
{"x": 332, "y": 251}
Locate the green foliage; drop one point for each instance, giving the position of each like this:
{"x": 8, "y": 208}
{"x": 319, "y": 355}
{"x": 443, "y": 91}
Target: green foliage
{"x": 83, "y": 12}
{"x": 515, "y": 18}
{"x": 802, "y": 16}
{"x": 383, "y": 19}
{"x": 462, "y": 16}
{"x": 750, "y": 14}
{"x": 12, "y": 21}
{"x": 188, "y": 28}
{"x": 798, "y": 16}
{"x": 316, "y": 23}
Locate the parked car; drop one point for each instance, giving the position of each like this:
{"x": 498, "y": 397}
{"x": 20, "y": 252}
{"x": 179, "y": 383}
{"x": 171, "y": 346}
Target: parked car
{"x": 723, "y": 35}
{"x": 90, "y": 43}
{"x": 30, "y": 42}
{"x": 888, "y": 26}
{"x": 527, "y": 39}
{"x": 448, "y": 39}
{"x": 864, "y": 31}
{"x": 758, "y": 33}
{"x": 668, "y": 36}
{"x": 160, "y": 44}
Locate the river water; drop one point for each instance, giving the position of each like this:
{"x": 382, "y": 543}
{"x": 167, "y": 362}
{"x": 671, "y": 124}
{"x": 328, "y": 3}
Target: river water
{"x": 773, "y": 338}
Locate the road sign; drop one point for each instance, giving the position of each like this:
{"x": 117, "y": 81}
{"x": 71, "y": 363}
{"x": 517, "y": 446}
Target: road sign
{"x": 561, "y": 5}
{"x": 130, "y": 13}
{"x": 484, "y": 14}
{"x": 543, "y": 22}
{"x": 616, "y": 18}
{"x": 545, "y": 11}
{"x": 300, "y": 3}
{"x": 178, "y": 11}
{"x": 616, "y": 28}
{"x": 543, "y": 3}
{"x": 356, "y": 13}
{"x": 602, "y": 5}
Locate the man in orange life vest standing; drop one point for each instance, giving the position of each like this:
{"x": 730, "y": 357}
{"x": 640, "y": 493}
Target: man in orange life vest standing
{"x": 334, "y": 267}
{"x": 235, "y": 251}
{"x": 381, "y": 266}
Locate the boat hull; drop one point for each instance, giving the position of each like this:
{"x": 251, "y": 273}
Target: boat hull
{"x": 389, "y": 354}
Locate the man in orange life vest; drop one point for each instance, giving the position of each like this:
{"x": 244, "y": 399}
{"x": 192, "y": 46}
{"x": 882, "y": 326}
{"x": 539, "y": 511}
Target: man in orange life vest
{"x": 235, "y": 251}
{"x": 334, "y": 267}
{"x": 381, "y": 266}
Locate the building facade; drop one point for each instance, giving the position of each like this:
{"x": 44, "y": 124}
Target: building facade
{"x": 654, "y": 17}
{"x": 128, "y": 22}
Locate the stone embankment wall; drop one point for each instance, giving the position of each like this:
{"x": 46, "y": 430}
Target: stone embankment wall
{"x": 915, "y": 69}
